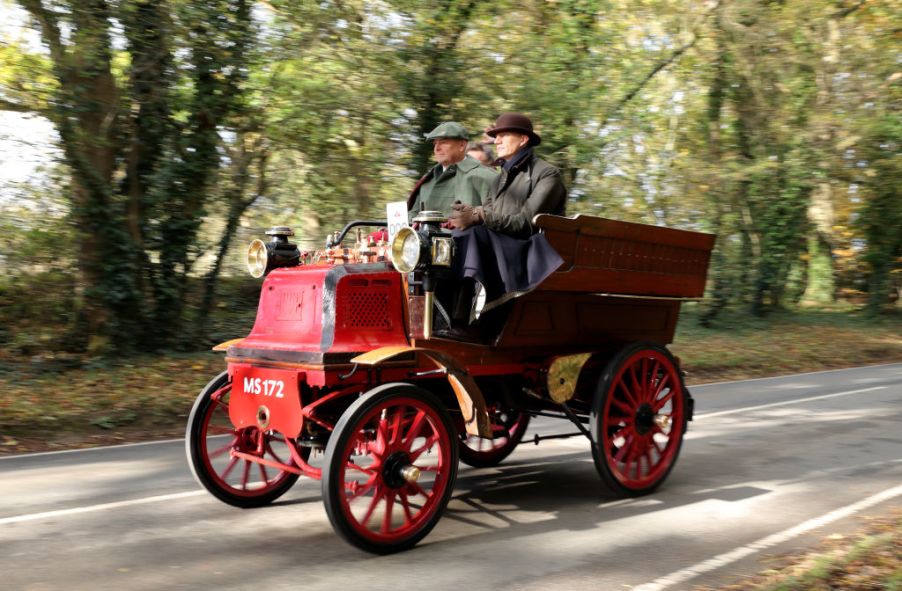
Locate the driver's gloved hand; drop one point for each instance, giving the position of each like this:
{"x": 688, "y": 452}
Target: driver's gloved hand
{"x": 464, "y": 216}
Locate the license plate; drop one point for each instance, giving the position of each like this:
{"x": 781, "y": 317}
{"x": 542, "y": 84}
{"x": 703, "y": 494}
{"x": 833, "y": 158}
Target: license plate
{"x": 266, "y": 399}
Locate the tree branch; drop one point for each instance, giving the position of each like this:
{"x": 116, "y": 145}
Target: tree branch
{"x": 660, "y": 66}
{"x": 847, "y": 11}
{"x": 50, "y": 31}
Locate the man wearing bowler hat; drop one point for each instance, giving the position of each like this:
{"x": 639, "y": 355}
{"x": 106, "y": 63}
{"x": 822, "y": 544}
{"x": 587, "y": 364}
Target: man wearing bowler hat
{"x": 526, "y": 186}
{"x": 455, "y": 178}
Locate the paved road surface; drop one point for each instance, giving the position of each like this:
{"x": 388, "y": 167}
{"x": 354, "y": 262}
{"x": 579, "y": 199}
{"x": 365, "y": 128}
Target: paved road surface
{"x": 769, "y": 465}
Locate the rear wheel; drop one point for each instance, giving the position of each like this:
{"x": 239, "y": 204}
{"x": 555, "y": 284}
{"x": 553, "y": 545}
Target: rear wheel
{"x": 390, "y": 468}
{"x": 508, "y": 427}
{"x": 209, "y": 439}
{"x": 638, "y": 419}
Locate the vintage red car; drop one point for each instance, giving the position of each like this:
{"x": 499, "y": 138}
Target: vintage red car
{"x": 342, "y": 361}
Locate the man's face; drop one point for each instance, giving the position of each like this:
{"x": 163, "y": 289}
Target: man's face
{"x": 449, "y": 151}
{"x": 508, "y": 143}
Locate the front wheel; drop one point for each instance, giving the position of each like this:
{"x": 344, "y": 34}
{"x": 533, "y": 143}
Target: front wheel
{"x": 390, "y": 468}
{"x": 209, "y": 439}
{"x": 638, "y": 419}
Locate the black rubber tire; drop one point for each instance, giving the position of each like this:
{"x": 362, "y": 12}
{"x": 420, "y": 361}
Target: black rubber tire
{"x": 335, "y": 460}
{"x": 493, "y": 457}
{"x": 615, "y": 479}
{"x": 201, "y": 465}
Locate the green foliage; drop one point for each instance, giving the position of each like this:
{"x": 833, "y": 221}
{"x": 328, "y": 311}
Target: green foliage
{"x": 882, "y": 216}
{"x": 188, "y": 127}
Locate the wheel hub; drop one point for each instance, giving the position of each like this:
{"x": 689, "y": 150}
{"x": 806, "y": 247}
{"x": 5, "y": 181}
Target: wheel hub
{"x": 645, "y": 419}
{"x": 397, "y": 470}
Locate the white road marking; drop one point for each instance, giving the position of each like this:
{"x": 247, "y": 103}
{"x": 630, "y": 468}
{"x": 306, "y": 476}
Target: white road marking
{"x": 741, "y": 552}
{"x": 72, "y": 451}
{"x": 102, "y": 507}
{"x": 784, "y": 403}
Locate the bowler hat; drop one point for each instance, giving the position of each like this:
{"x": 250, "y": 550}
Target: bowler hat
{"x": 449, "y": 130}
{"x": 517, "y": 122}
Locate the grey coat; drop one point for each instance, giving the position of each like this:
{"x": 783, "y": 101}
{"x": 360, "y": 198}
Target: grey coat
{"x": 532, "y": 186}
{"x": 468, "y": 181}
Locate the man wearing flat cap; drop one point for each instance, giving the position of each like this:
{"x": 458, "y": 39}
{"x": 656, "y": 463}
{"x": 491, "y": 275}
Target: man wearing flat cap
{"x": 455, "y": 178}
{"x": 526, "y": 186}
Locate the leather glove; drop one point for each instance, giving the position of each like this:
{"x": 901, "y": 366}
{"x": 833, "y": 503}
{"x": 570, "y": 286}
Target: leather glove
{"x": 464, "y": 216}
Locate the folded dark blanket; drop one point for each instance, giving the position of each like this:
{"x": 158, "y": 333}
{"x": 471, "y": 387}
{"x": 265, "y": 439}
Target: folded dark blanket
{"x": 506, "y": 267}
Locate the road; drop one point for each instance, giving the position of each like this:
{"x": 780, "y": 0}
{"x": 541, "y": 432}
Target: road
{"x": 768, "y": 466}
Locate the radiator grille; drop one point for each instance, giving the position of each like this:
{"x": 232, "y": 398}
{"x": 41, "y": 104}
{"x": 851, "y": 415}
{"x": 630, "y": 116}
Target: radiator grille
{"x": 365, "y": 309}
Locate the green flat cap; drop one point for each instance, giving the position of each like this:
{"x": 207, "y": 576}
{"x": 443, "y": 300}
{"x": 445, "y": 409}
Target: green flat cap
{"x": 450, "y": 130}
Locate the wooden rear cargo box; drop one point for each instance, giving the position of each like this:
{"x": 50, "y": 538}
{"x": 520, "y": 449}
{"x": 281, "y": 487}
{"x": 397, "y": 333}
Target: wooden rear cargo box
{"x": 620, "y": 282}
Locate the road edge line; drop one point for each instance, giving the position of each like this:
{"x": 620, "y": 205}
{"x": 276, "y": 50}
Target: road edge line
{"x": 721, "y": 560}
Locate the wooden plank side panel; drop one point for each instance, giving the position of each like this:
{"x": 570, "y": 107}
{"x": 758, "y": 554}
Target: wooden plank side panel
{"x": 560, "y": 323}
{"x": 596, "y": 226}
{"x": 587, "y": 280}
{"x": 610, "y": 256}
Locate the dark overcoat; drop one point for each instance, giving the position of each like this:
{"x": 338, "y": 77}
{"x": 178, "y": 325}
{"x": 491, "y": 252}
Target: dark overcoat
{"x": 530, "y": 187}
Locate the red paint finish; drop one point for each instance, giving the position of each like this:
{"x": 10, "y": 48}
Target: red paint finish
{"x": 290, "y": 311}
{"x": 329, "y": 309}
{"x": 374, "y": 506}
{"x": 637, "y": 450}
{"x": 275, "y": 389}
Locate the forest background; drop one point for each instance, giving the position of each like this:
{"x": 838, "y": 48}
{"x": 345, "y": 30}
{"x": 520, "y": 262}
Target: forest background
{"x": 171, "y": 132}
{"x": 182, "y": 129}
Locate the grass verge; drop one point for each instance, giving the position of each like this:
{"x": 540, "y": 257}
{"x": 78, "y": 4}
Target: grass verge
{"x": 45, "y": 405}
{"x": 868, "y": 560}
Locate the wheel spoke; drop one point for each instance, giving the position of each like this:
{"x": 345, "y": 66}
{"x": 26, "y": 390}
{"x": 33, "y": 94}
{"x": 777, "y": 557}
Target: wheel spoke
{"x": 657, "y": 446}
{"x": 228, "y": 470}
{"x": 386, "y": 518}
{"x": 629, "y": 411}
{"x": 361, "y": 468}
{"x": 414, "y": 431}
{"x": 381, "y": 443}
{"x": 419, "y": 490}
{"x": 395, "y": 430}
{"x": 651, "y": 391}
{"x": 623, "y": 431}
{"x": 363, "y": 489}
{"x": 377, "y": 496}
{"x": 627, "y": 391}
{"x": 405, "y": 504}
{"x": 649, "y": 460}
{"x": 626, "y": 448}
{"x": 415, "y": 454}
{"x": 246, "y": 476}
{"x": 221, "y": 450}
{"x": 263, "y": 474}
{"x": 663, "y": 401}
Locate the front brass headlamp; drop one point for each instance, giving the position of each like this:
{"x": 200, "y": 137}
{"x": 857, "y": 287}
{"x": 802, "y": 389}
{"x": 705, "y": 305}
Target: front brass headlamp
{"x": 263, "y": 257}
{"x": 257, "y": 256}
{"x": 406, "y": 250}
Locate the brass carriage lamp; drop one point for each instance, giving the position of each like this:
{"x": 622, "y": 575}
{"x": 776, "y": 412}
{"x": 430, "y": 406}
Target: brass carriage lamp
{"x": 263, "y": 257}
{"x": 427, "y": 249}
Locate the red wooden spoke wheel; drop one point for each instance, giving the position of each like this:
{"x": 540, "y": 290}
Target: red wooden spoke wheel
{"x": 508, "y": 427}
{"x": 390, "y": 468}
{"x": 209, "y": 439}
{"x": 638, "y": 419}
